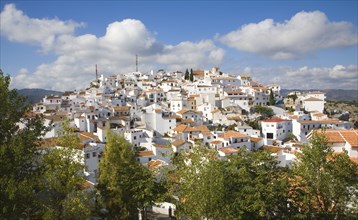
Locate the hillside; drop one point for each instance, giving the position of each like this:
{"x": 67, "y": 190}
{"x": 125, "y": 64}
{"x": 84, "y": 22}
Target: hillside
{"x": 331, "y": 94}
{"x": 35, "y": 95}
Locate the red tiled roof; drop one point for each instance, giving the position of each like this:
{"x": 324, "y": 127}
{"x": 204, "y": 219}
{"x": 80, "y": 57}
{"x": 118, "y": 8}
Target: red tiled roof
{"x": 216, "y": 142}
{"x": 145, "y": 154}
{"x": 228, "y": 150}
{"x": 232, "y": 134}
{"x": 178, "y": 142}
{"x": 312, "y": 99}
{"x": 274, "y": 120}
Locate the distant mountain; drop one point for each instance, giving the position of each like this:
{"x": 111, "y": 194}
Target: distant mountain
{"x": 35, "y": 95}
{"x": 331, "y": 94}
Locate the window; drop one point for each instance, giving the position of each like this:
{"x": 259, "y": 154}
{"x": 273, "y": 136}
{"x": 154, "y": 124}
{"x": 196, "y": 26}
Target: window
{"x": 149, "y": 159}
{"x": 135, "y": 138}
{"x": 94, "y": 154}
{"x": 87, "y": 156}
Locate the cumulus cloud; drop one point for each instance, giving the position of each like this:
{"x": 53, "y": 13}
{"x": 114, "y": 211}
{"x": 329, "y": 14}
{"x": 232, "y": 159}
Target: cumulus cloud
{"x": 18, "y": 27}
{"x": 189, "y": 54}
{"x": 114, "y": 52}
{"x": 336, "y": 77}
{"x": 304, "y": 32}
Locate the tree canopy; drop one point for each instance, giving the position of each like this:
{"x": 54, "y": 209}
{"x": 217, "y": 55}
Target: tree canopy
{"x": 266, "y": 112}
{"x": 124, "y": 184}
{"x": 19, "y": 138}
{"x": 62, "y": 193}
{"x": 325, "y": 184}
{"x": 246, "y": 186}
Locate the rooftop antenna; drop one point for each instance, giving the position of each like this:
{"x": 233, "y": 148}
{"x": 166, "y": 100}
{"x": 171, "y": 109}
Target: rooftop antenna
{"x": 136, "y": 63}
{"x": 96, "y": 72}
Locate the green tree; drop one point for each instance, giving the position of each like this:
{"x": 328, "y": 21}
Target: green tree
{"x": 272, "y": 98}
{"x": 191, "y": 76}
{"x": 186, "y": 76}
{"x": 256, "y": 188}
{"x": 249, "y": 185}
{"x": 325, "y": 184}
{"x": 290, "y": 137}
{"x": 19, "y": 170}
{"x": 124, "y": 184}
{"x": 293, "y": 97}
{"x": 62, "y": 193}
{"x": 266, "y": 112}
{"x": 197, "y": 179}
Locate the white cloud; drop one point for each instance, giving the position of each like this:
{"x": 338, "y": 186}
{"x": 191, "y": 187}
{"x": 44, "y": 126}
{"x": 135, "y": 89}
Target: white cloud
{"x": 191, "y": 55}
{"x": 114, "y": 52}
{"x": 336, "y": 77}
{"x": 18, "y": 27}
{"x": 304, "y": 32}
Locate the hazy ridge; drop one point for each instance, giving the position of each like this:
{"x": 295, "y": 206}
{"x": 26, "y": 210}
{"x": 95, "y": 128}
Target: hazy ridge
{"x": 331, "y": 94}
{"x": 35, "y": 95}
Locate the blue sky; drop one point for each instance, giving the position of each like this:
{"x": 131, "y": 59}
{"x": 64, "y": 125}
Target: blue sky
{"x": 298, "y": 44}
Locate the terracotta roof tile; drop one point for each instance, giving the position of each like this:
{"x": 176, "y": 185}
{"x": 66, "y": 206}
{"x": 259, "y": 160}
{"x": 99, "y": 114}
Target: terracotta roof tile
{"x": 216, "y": 142}
{"x": 274, "y": 120}
{"x": 155, "y": 163}
{"x": 145, "y": 154}
{"x": 255, "y": 139}
{"x": 312, "y": 99}
{"x": 232, "y": 134}
{"x": 228, "y": 150}
{"x": 178, "y": 142}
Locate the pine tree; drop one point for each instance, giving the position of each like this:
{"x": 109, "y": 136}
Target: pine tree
{"x": 191, "y": 76}
{"x": 124, "y": 184}
{"x": 186, "y": 76}
{"x": 272, "y": 98}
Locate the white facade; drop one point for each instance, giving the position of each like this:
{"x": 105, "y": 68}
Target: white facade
{"x": 159, "y": 121}
{"x": 276, "y": 129}
{"x": 313, "y": 104}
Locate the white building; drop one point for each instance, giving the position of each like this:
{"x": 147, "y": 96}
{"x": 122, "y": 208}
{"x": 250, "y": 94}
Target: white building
{"x": 276, "y": 129}
{"x": 340, "y": 140}
{"x": 159, "y": 121}
{"x": 302, "y": 128}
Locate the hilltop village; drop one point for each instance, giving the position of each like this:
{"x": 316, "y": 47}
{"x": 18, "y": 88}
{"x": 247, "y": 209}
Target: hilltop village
{"x": 163, "y": 112}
